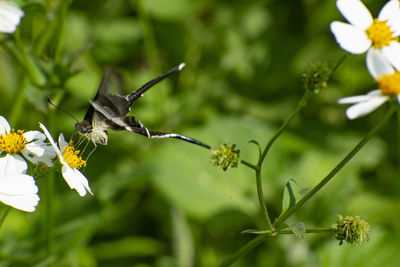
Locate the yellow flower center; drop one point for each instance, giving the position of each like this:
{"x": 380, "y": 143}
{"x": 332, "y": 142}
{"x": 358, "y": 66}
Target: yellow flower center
{"x": 13, "y": 142}
{"x": 70, "y": 156}
{"x": 380, "y": 34}
{"x": 389, "y": 84}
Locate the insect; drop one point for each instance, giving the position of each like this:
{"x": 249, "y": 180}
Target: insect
{"x": 107, "y": 111}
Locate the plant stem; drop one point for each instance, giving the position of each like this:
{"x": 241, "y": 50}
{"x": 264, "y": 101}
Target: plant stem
{"x": 335, "y": 170}
{"x": 248, "y": 164}
{"x": 287, "y": 231}
{"x": 303, "y": 101}
{"x": 243, "y": 250}
{"x": 49, "y": 214}
{"x": 4, "y": 215}
{"x": 261, "y": 200}
{"x": 257, "y": 168}
{"x": 18, "y": 103}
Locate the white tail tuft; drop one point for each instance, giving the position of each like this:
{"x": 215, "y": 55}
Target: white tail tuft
{"x": 181, "y": 66}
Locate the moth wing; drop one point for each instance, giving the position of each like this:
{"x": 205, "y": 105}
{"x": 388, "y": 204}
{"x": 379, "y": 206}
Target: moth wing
{"x": 110, "y": 96}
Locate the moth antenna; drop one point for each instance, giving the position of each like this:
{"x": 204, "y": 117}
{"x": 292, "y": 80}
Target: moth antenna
{"x": 63, "y": 110}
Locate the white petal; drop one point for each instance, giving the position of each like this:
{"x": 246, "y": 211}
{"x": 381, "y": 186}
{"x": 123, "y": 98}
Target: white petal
{"x": 76, "y": 180}
{"x": 355, "y": 12}
{"x": 350, "y": 38}
{"x": 353, "y": 99}
{"x": 364, "y": 108}
{"x": 51, "y": 140}
{"x": 390, "y": 13}
{"x": 19, "y": 191}
{"x": 38, "y": 150}
{"x": 4, "y": 126}
{"x": 392, "y": 53}
{"x": 39, "y": 153}
{"x": 398, "y": 98}
{"x": 12, "y": 165}
{"x": 360, "y": 98}
{"x": 378, "y": 64}
{"x": 61, "y": 142}
{"x": 20, "y": 184}
{"x": 34, "y": 136}
{"x": 10, "y": 16}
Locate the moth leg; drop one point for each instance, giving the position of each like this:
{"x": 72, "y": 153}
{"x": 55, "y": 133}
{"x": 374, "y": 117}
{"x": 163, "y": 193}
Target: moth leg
{"x": 91, "y": 152}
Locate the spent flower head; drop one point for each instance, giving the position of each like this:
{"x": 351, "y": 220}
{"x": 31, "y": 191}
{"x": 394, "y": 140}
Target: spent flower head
{"x": 316, "y": 76}
{"x": 225, "y": 156}
{"x": 10, "y": 16}
{"x": 388, "y": 80}
{"x": 352, "y": 230}
{"x": 364, "y": 33}
{"x": 71, "y": 162}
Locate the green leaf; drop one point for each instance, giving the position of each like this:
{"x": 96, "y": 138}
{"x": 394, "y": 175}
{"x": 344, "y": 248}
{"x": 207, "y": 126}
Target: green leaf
{"x": 298, "y": 229}
{"x": 289, "y": 198}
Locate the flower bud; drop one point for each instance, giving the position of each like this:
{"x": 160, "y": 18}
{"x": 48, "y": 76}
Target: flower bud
{"x": 316, "y": 76}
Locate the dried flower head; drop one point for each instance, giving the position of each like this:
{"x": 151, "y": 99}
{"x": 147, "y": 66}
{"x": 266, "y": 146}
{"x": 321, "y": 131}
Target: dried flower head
{"x": 225, "y": 156}
{"x": 352, "y": 230}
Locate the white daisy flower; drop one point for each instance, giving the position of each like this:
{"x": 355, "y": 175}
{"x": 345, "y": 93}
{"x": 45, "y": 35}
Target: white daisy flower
{"x": 30, "y": 144}
{"x": 388, "y": 80}
{"x": 17, "y": 189}
{"x": 364, "y": 33}
{"x": 70, "y": 161}
{"x": 10, "y": 16}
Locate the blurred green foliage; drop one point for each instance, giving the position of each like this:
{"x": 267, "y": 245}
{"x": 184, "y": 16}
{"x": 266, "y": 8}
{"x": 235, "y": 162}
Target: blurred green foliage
{"x": 161, "y": 202}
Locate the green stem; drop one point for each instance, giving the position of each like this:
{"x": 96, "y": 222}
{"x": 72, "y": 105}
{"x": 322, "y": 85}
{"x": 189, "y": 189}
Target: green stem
{"x": 4, "y": 215}
{"x": 257, "y": 168}
{"x": 287, "y": 231}
{"x": 261, "y": 200}
{"x": 398, "y": 136}
{"x": 243, "y": 250}
{"x": 18, "y": 103}
{"x": 49, "y": 215}
{"x": 34, "y": 72}
{"x": 306, "y": 97}
{"x": 49, "y": 184}
{"x": 248, "y": 164}
{"x": 335, "y": 170}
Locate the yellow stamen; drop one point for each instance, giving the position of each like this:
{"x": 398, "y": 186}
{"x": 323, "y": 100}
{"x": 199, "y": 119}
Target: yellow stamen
{"x": 71, "y": 157}
{"x": 380, "y": 34}
{"x": 389, "y": 84}
{"x": 13, "y": 142}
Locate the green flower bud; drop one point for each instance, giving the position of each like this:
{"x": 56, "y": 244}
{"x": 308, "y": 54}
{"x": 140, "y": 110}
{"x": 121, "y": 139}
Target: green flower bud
{"x": 225, "y": 156}
{"x": 316, "y": 77}
{"x": 352, "y": 230}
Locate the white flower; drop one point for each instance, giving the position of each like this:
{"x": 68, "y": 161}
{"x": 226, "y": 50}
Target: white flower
{"x": 10, "y": 16}
{"x": 70, "y": 163}
{"x": 365, "y": 33}
{"x": 30, "y": 144}
{"x": 17, "y": 189}
{"x": 388, "y": 80}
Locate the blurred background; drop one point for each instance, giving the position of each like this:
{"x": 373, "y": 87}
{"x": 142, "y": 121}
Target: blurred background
{"x": 161, "y": 202}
